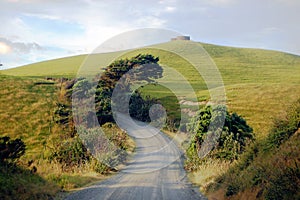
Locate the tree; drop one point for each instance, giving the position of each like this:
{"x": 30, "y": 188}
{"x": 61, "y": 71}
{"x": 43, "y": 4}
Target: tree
{"x": 145, "y": 69}
{"x": 139, "y": 107}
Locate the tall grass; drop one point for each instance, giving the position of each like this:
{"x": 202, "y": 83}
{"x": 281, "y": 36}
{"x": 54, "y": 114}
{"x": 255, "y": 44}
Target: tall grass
{"x": 27, "y": 107}
{"x": 270, "y": 167}
{"x": 26, "y": 111}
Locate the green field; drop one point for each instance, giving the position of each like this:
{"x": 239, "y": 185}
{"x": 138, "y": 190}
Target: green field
{"x": 26, "y": 110}
{"x": 259, "y": 85}
{"x": 256, "y": 81}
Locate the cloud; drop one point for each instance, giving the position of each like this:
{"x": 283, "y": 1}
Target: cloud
{"x": 8, "y": 46}
{"x": 289, "y": 2}
{"x": 220, "y": 2}
{"x": 98, "y": 20}
{"x": 79, "y": 26}
{"x": 19, "y": 53}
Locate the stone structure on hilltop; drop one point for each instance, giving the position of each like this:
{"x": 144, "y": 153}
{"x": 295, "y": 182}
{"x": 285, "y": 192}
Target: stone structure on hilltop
{"x": 182, "y": 37}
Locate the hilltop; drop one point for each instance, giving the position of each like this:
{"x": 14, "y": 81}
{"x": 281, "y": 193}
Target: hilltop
{"x": 228, "y": 59}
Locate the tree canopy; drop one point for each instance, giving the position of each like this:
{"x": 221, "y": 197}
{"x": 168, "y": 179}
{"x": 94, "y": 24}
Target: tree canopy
{"x": 119, "y": 72}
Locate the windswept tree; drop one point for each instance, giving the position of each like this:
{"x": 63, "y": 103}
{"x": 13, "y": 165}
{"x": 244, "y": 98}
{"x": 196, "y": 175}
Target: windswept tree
{"x": 145, "y": 69}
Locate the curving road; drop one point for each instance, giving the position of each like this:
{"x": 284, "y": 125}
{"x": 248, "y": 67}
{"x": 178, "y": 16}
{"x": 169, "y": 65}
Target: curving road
{"x": 155, "y": 172}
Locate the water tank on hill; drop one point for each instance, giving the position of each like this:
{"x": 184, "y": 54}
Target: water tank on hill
{"x": 181, "y": 37}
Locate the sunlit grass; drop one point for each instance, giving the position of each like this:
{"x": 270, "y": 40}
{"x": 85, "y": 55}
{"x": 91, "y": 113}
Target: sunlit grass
{"x": 208, "y": 172}
{"x": 259, "y": 85}
{"x": 260, "y": 104}
{"x": 26, "y": 110}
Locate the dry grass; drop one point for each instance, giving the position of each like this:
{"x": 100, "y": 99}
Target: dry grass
{"x": 260, "y": 104}
{"x": 208, "y": 172}
{"x": 26, "y": 112}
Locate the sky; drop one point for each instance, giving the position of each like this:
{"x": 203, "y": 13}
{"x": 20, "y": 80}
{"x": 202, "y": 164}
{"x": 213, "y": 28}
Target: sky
{"x": 37, "y": 30}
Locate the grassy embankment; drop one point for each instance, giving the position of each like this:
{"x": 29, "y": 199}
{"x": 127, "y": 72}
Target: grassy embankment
{"x": 269, "y": 169}
{"x": 27, "y": 107}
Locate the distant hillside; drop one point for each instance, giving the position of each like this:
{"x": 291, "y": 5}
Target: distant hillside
{"x": 226, "y": 58}
{"x": 256, "y": 80}
{"x": 57, "y": 67}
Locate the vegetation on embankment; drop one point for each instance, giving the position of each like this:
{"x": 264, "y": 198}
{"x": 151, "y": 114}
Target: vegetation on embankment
{"x": 268, "y": 169}
{"x": 54, "y": 158}
{"x": 58, "y": 155}
{"x": 18, "y": 181}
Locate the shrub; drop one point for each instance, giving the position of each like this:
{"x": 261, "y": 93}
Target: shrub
{"x": 232, "y": 189}
{"x": 139, "y": 107}
{"x": 11, "y": 150}
{"x": 233, "y": 139}
{"x": 146, "y": 69}
{"x": 284, "y": 128}
{"x": 71, "y": 153}
{"x": 101, "y": 168}
{"x": 285, "y": 186}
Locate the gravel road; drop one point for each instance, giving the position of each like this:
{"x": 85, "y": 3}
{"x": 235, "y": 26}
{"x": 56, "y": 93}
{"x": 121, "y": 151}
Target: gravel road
{"x": 154, "y": 172}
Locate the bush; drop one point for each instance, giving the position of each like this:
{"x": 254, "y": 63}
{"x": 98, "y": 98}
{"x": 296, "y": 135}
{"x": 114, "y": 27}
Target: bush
{"x": 71, "y": 153}
{"x": 285, "y": 186}
{"x": 146, "y": 69}
{"x": 283, "y": 129}
{"x": 139, "y": 107}
{"x": 101, "y": 168}
{"x": 11, "y": 150}
{"x": 232, "y": 189}
{"x": 233, "y": 138}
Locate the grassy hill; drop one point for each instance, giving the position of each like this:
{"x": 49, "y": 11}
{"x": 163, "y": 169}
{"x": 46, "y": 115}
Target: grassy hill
{"x": 260, "y": 85}
{"x": 237, "y": 65}
{"x": 255, "y": 79}
{"x": 61, "y": 67}
{"x": 58, "y": 67}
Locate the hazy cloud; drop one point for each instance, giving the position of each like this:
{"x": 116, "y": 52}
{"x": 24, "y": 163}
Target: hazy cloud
{"x": 19, "y": 47}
